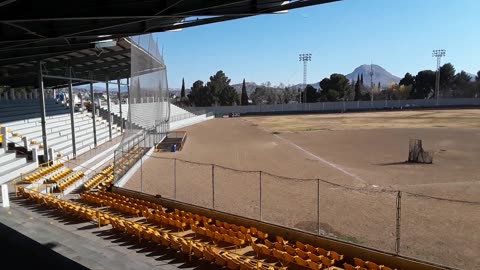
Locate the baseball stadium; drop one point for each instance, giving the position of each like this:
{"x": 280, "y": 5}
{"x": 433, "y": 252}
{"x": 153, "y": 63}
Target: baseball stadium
{"x": 123, "y": 178}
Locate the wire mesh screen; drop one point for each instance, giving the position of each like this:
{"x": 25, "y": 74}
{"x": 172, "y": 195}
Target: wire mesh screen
{"x": 148, "y": 107}
{"x": 237, "y": 192}
{"x": 440, "y": 231}
{"x": 289, "y": 202}
{"x": 148, "y": 94}
{"x": 362, "y": 217}
{"x": 194, "y": 183}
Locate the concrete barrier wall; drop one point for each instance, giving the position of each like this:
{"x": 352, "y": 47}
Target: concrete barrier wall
{"x": 349, "y": 250}
{"x": 341, "y": 106}
{"x": 188, "y": 122}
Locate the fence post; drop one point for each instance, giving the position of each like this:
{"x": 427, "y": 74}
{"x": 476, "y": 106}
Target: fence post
{"x": 318, "y": 205}
{"x": 175, "y": 178}
{"x": 141, "y": 174}
{"x": 213, "y": 186}
{"x": 260, "y": 172}
{"x": 398, "y": 221}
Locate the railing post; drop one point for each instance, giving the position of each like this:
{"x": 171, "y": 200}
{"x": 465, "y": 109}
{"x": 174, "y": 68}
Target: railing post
{"x": 141, "y": 174}
{"x": 318, "y": 205}
{"x": 213, "y": 186}
{"x": 175, "y": 178}
{"x": 398, "y": 222}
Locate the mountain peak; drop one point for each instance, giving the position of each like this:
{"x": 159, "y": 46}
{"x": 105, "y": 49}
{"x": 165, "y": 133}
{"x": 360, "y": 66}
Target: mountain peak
{"x": 379, "y": 75}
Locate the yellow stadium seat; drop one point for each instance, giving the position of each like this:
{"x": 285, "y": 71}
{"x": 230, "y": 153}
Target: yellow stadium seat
{"x": 314, "y": 257}
{"x": 359, "y": 262}
{"x": 372, "y": 265}
{"x": 314, "y": 265}
{"x": 301, "y": 262}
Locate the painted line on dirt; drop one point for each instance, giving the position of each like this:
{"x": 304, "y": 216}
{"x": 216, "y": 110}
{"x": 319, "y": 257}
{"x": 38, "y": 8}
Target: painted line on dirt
{"x": 331, "y": 164}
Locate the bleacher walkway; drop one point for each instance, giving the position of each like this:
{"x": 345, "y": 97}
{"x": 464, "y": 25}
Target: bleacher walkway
{"x": 84, "y": 243}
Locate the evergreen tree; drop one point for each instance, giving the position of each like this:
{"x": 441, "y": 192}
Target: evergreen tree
{"x": 361, "y": 80}
{"x": 379, "y": 86}
{"x": 358, "y": 92}
{"x": 244, "y": 100}
{"x": 182, "y": 93}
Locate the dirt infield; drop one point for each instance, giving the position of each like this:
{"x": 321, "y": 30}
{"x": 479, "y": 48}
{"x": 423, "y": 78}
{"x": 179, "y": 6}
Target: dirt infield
{"x": 360, "y": 150}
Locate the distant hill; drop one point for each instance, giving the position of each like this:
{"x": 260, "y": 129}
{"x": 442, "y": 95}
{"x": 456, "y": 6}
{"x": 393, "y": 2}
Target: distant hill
{"x": 249, "y": 85}
{"x": 379, "y": 75}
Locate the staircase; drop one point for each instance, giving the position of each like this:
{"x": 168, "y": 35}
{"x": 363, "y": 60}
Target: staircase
{"x": 12, "y": 166}
{"x": 59, "y": 133}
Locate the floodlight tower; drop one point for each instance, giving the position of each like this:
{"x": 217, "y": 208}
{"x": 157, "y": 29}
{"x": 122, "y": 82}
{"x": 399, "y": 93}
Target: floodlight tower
{"x": 438, "y": 54}
{"x": 305, "y": 57}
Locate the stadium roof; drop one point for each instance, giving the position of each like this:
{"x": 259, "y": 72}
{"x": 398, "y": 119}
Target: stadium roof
{"x": 54, "y": 30}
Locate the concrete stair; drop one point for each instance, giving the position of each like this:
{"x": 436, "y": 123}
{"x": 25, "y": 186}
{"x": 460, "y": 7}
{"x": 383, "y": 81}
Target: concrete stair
{"x": 12, "y": 167}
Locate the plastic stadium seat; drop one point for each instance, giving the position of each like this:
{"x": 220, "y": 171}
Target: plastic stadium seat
{"x": 256, "y": 248}
{"x": 302, "y": 262}
{"x": 327, "y": 262}
{"x": 288, "y": 258}
{"x": 372, "y": 265}
{"x": 314, "y": 265}
{"x": 311, "y": 249}
{"x": 300, "y": 245}
{"x": 302, "y": 254}
{"x": 269, "y": 244}
{"x": 314, "y": 257}
{"x": 334, "y": 255}
{"x": 266, "y": 251}
{"x": 323, "y": 252}
{"x": 279, "y": 246}
{"x": 262, "y": 235}
{"x": 281, "y": 240}
{"x": 290, "y": 250}
{"x": 359, "y": 262}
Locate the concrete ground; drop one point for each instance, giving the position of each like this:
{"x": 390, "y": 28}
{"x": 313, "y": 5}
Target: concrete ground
{"x": 62, "y": 242}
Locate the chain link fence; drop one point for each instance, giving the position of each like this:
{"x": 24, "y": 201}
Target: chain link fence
{"x": 428, "y": 228}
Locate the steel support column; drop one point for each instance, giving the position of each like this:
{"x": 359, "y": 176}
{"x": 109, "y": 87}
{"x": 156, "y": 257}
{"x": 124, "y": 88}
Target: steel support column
{"x": 109, "y": 119}
{"x": 72, "y": 111}
{"x": 120, "y": 104}
{"x": 93, "y": 116}
{"x": 129, "y": 117}
{"x": 43, "y": 113}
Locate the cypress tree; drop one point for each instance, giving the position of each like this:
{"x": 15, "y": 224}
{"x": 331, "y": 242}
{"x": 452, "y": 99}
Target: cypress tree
{"x": 244, "y": 100}
{"x": 182, "y": 93}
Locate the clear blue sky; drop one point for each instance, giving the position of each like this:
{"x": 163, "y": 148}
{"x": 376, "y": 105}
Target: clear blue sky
{"x": 396, "y": 34}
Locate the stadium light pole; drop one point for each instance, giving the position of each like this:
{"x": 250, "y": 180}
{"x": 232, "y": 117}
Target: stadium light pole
{"x": 305, "y": 58}
{"x": 438, "y": 54}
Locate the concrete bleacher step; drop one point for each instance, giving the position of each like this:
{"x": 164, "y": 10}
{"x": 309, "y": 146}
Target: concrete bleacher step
{"x": 6, "y": 156}
{"x": 86, "y": 145}
{"x": 36, "y": 132}
{"x": 12, "y": 162}
{"x": 14, "y": 172}
{"x": 80, "y": 136}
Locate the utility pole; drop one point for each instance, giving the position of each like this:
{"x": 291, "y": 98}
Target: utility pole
{"x": 438, "y": 54}
{"x": 304, "y": 57}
